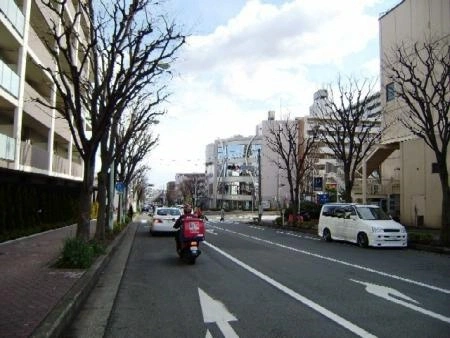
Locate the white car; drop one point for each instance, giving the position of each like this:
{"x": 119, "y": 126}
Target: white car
{"x": 366, "y": 225}
{"x": 163, "y": 220}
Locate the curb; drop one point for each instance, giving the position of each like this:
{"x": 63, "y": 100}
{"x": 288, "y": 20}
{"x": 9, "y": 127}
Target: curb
{"x": 429, "y": 248}
{"x": 61, "y": 316}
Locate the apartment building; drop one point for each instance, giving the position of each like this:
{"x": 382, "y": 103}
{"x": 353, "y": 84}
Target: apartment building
{"x": 33, "y": 139}
{"x": 327, "y": 171}
{"x": 407, "y": 158}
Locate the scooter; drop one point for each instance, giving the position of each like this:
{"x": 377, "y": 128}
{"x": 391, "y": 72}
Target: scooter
{"x": 192, "y": 232}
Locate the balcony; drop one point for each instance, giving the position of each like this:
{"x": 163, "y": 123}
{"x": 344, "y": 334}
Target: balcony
{"x": 33, "y": 157}
{"x": 9, "y": 80}
{"x": 386, "y": 187}
{"x": 14, "y": 15}
{"x": 38, "y": 48}
{"x": 234, "y": 197}
{"x": 7, "y": 148}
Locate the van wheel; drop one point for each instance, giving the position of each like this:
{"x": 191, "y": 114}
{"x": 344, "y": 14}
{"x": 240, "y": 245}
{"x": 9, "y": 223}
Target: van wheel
{"x": 326, "y": 235}
{"x": 362, "y": 240}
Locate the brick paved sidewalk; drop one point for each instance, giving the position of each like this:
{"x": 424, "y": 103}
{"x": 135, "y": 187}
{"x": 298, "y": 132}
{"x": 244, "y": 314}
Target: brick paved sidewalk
{"x": 29, "y": 286}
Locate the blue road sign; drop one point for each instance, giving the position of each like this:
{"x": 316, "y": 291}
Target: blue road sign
{"x": 120, "y": 187}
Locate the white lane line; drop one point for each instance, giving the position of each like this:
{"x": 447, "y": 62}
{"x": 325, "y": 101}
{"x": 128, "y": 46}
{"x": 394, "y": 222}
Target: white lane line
{"x": 360, "y": 267}
{"x": 287, "y": 233}
{"x": 316, "y": 307}
{"x": 257, "y": 228}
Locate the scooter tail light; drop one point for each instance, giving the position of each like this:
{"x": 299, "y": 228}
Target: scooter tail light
{"x": 193, "y": 243}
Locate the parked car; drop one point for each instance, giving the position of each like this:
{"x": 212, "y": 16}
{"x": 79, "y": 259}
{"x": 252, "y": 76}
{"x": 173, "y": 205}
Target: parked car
{"x": 163, "y": 220}
{"x": 366, "y": 225}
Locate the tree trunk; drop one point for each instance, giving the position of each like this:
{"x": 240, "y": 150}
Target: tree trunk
{"x": 84, "y": 221}
{"x": 445, "y": 220}
{"x": 101, "y": 219}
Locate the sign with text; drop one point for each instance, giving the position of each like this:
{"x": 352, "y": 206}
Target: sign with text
{"x": 318, "y": 183}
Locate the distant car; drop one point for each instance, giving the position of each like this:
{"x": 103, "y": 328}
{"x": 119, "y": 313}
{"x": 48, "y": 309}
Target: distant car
{"x": 163, "y": 220}
{"x": 365, "y": 225}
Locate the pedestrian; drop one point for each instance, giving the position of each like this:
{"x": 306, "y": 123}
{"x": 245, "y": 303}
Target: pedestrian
{"x": 222, "y": 215}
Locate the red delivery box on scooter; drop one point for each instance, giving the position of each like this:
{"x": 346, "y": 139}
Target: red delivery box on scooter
{"x": 193, "y": 228}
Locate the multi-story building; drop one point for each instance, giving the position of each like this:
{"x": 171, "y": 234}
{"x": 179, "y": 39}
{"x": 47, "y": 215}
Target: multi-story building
{"x": 407, "y": 158}
{"x": 327, "y": 171}
{"x": 33, "y": 138}
{"x": 232, "y": 171}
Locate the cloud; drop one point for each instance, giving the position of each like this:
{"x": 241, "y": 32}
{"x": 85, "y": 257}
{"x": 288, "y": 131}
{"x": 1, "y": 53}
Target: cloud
{"x": 266, "y": 57}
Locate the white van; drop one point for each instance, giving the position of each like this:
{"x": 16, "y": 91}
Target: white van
{"x": 366, "y": 225}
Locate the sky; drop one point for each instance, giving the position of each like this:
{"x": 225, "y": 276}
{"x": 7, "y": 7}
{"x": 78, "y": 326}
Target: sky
{"x": 244, "y": 58}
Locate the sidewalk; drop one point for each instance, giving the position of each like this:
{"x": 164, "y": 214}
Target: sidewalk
{"x": 29, "y": 286}
{"x": 36, "y": 299}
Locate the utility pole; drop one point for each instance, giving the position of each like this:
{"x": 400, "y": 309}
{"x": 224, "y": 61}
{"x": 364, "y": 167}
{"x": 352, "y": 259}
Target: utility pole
{"x": 260, "y": 207}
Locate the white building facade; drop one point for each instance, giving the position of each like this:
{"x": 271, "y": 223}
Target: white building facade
{"x": 411, "y": 160}
{"x": 33, "y": 138}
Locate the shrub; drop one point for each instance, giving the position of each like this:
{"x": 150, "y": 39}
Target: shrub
{"x": 78, "y": 254}
{"x": 421, "y": 238}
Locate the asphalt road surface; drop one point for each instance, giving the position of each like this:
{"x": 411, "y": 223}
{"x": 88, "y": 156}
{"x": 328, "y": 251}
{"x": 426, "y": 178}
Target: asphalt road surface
{"x": 253, "y": 281}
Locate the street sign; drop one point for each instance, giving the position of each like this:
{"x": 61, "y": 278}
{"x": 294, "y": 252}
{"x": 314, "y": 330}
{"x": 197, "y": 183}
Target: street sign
{"x": 318, "y": 183}
{"x": 120, "y": 187}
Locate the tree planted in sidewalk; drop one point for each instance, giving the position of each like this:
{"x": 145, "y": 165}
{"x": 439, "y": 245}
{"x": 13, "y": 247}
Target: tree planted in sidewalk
{"x": 293, "y": 149}
{"x": 420, "y": 74}
{"x": 106, "y": 54}
{"x": 129, "y": 157}
{"x": 348, "y": 126}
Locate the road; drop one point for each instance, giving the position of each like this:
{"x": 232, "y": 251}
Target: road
{"x": 255, "y": 281}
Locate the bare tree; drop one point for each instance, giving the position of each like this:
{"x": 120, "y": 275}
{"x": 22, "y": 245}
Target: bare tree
{"x": 140, "y": 185}
{"x": 139, "y": 117}
{"x": 105, "y": 55}
{"x": 421, "y": 77}
{"x": 130, "y": 154}
{"x": 292, "y": 149}
{"x": 346, "y": 126}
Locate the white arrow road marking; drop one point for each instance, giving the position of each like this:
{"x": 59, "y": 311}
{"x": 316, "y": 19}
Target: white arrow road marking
{"x": 334, "y": 260}
{"x": 215, "y": 312}
{"x": 386, "y": 292}
{"x": 327, "y": 313}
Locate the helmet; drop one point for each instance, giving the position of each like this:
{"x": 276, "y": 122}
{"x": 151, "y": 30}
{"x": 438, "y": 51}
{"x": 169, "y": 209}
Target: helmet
{"x": 187, "y": 208}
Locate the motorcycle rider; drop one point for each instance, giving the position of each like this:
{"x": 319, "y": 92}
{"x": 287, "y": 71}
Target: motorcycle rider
{"x": 187, "y": 211}
{"x": 199, "y": 213}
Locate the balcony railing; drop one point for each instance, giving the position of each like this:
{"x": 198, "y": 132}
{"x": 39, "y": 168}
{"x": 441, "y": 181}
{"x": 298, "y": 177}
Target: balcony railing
{"x": 386, "y": 187}
{"x": 34, "y": 157}
{"x": 9, "y": 80}
{"x": 7, "y": 147}
{"x": 77, "y": 170}
{"x": 61, "y": 165}
{"x": 13, "y": 14}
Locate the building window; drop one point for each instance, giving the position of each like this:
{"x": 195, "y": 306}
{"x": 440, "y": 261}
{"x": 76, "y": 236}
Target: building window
{"x": 390, "y": 92}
